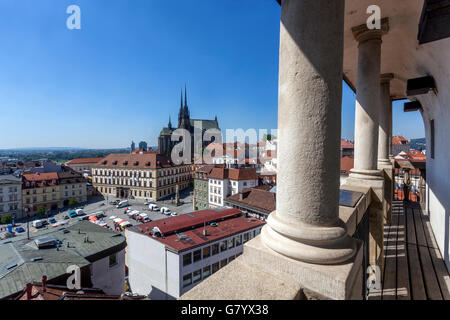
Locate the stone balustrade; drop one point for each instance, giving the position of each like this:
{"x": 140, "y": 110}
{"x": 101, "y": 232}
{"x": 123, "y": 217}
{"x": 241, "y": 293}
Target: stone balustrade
{"x": 261, "y": 273}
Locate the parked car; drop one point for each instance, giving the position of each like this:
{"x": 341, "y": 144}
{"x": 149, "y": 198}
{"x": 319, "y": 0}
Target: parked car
{"x": 153, "y": 207}
{"x": 80, "y": 212}
{"x": 66, "y": 217}
{"x": 52, "y": 220}
{"x": 72, "y": 214}
{"x": 146, "y": 219}
{"x": 166, "y": 211}
{"x": 115, "y": 202}
{"x": 38, "y": 223}
{"x": 173, "y": 214}
{"x": 122, "y": 204}
{"x": 20, "y": 230}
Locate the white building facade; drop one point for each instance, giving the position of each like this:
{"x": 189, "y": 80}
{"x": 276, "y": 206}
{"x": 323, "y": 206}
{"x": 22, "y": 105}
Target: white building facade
{"x": 11, "y": 196}
{"x": 163, "y": 272}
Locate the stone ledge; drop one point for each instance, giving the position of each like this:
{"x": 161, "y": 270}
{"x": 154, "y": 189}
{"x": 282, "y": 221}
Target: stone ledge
{"x": 336, "y": 282}
{"x": 262, "y": 274}
{"x": 238, "y": 281}
{"x": 353, "y": 216}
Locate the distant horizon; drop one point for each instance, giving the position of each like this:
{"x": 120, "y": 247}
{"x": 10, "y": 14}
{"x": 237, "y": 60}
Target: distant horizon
{"x": 119, "y": 77}
{"x": 121, "y": 148}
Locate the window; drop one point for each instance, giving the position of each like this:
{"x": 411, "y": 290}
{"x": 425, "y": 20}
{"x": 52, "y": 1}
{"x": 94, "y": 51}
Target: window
{"x": 206, "y": 252}
{"x": 432, "y": 138}
{"x": 223, "y": 263}
{"x": 215, "y": 249}
{"x": 112, "y": 260}
{"x": 231, "y": 259}
{"x": 246, "y": 237}
{"x": 231, "y": 243}
{"x": 215, "y": 267}
{"x": 206, "y": 272}
{"x": 197, "y": 275}
{"x": 187, "y": 280}
{"x": 238, "y": 240}
{"x": 197, "y": 256}
{"x": 187, "y": 259}
{"x": 223, "y": 246}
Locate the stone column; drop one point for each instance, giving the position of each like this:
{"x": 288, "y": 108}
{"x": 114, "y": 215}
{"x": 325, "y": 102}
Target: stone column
{"x": 367, "y": 100}
{"x": 306, "y": 225}
{"x": 367, "y": 113}
{"x": 391, "y": 156}
{"x": 385, "y": 120}
{"x": 385, "y": 125}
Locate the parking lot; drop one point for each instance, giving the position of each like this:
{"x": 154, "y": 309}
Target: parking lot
{"x": 110, "y": 210}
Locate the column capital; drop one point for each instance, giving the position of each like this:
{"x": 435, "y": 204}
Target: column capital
{"x": 386, "y": 77}
{"x": 362, "y": 33}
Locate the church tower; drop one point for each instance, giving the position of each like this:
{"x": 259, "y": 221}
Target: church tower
{"x": 184, "y": 116}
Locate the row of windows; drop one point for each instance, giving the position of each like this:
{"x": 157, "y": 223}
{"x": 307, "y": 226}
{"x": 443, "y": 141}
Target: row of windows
{"x": 215, "y": 199}
{"x": 10, "y": 189}
{"x": 140, "y": 174}
{"x": 216, "y": 248}
{"x": 11, "y": 197}
{"x": 10, "y": 207}
{"x": 204, "y": 273}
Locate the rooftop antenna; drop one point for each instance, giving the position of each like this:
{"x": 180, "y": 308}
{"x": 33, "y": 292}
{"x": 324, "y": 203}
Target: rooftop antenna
{"x": 204, "y": 228}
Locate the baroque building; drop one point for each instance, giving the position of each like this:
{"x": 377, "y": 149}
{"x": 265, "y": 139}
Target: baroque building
{"x": 165, "y": 143}
{"x": 143, "y": 176}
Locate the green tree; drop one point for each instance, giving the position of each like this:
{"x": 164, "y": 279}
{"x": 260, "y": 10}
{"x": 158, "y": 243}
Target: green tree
{"x": 7, "y": 218}
{"x": 73, "y": 202}
{"x": 41, "y": 211}
{"x": 268, "y": 137}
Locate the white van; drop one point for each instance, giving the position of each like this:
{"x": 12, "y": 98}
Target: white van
{"x": 153, "y": 207}
{"x": 122, "y": 204}
{"x": 166, "y": 211}
{"x": 38, "y": 223}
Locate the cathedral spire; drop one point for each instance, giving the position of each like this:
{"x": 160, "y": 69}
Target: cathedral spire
{"x": 185, "y": 95}
{"x": 170, "y": 123}
{"x": 181, "y": 104}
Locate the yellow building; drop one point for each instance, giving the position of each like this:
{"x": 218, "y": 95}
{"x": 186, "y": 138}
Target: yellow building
{"x": 144, "y": 176}
{"x": 51, "y": 190}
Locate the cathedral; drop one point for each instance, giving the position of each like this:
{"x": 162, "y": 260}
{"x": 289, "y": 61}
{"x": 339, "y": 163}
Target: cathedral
{"x": 165, "y": 144}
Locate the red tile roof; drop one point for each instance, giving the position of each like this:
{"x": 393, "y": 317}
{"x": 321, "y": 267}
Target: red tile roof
{"x": 242, "y": 174}
{"x": 233, "y": 174}
{"x": 218, "y": 173}
{"x": 399, "y": 140}
{"x": 346, "y": 144}
{"x": 347, "y": 163}
{"x": 141, "y": 161}
{"x": 38, "y": 180}
{"x": 171, "y": 228}
{"x": 257, "y": 198}
{"x": 83, "y": 161}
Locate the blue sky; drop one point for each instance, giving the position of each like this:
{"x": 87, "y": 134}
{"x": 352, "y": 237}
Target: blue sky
{"x": 119, "y": 78}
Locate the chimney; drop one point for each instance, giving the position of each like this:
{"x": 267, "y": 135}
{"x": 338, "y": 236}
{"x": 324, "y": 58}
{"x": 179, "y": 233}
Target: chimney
{"x": 28, "y": 288}
{"x": 44, "y": 283}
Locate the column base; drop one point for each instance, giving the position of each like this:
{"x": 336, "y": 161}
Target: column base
{"x": 363, "y": 174}
{"x": 325, "y": 245}
{"x": 382, "y": 163}
{"x": 263, "y": 274}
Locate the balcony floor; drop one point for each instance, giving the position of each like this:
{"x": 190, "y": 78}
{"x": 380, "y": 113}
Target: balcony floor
{"x": 414, "y": 268}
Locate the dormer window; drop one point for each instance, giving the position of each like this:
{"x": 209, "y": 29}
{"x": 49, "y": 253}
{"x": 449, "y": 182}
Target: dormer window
{"x": 147, "y": 164}
{"x": 125, "y": 163}
{"x": 115, "y": 163}
{"x": 136, "y": 163}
